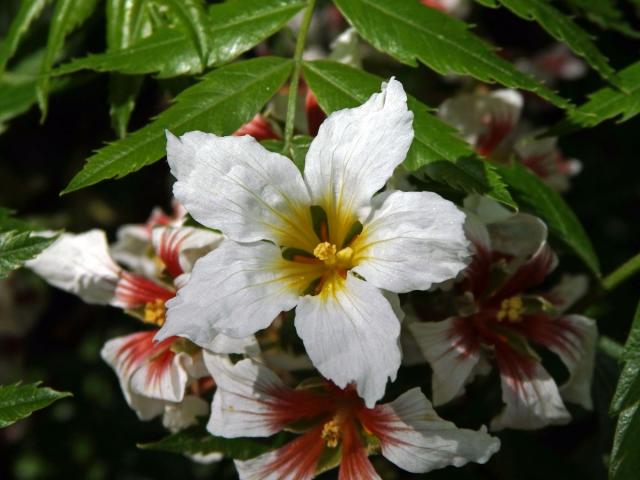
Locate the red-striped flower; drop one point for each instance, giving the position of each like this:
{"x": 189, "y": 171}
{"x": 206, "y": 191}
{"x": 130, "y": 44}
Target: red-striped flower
{"x": 501, "y": 316}
{"x": 335, "y": 427}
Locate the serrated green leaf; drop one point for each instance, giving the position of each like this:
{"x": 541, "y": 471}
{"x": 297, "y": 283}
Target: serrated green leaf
{"x": 407, "y": 30}
{"x": 18, "y": 247}
{"x": 535, "y": 196}
{"x": 67, "y": 16}
{"x": 126, "y": 23}
{"x": 563, "y": 28}
{"x": 437, "y": 147}
{"x": 9, "y": 222}
{"x": 192, "y": 17}
{"x": 625, "y": 462}
{"x": 15, "y": 99}
{"x": 606, "y": 103}
{"x": 605, "y": 14}
{"x": 221, "y": 102}
{"x": 29, "y": 11}
{"x": 196, "y": 440}
{"x": 19, "y": 401}
{"x": 234, "y": 27}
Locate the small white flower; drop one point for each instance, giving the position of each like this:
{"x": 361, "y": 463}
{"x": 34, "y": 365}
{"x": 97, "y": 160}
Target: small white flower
{"x": 324, "y": 242}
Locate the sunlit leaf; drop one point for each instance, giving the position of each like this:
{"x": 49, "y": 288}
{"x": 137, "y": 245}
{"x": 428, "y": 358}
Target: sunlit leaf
{"x": 18, "y": 247}
{"x": 19, "y": 401}
{"x": 234, "y": 27}
{"x": 29, "y": 11}
{"x": 407, "y": 30}
{"x": 562, "y": 27}
{"x": 67, "y": 16}
{"x": 221, "y": 102}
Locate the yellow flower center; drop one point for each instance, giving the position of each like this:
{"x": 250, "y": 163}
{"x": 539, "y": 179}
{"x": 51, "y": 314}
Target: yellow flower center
{"x": 511, "y": 310}
{"x": 327, "y": 252}
{"x": 155, "y": 312}
{"x": 331, "y": 433}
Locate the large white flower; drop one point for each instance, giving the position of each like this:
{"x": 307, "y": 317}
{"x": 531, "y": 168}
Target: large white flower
{"x": 321, "y": 242}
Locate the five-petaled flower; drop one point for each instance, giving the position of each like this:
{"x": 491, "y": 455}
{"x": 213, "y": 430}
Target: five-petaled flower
{"x": 322, "y": 242}
{"x": 335, "y": 427}
{"x": 499, "y": 316}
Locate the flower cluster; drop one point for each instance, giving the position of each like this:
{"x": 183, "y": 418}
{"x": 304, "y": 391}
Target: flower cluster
{"x": 333, "y": 252}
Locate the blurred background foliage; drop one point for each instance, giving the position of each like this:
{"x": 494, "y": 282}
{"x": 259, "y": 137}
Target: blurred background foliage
{"x": 56, "y": 338}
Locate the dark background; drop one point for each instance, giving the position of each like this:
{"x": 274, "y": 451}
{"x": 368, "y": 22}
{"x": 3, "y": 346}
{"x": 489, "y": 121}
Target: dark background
{"x": 93, "y": 435}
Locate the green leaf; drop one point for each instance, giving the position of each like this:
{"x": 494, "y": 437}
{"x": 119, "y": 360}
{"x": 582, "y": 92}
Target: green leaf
{"x": 606, "y": 103}
{"x": 234, "y": 27}
{"x": 18, "y": 247}
{"x": 221, "y": 102}
{"x": 534, "y": 195}
{"x": 19, "y": 401}
{"x": 192, "y": 17}
{"x": 437, "y": 148}
{"x": 564, "y": 29}
{"x": 29, "y": 11}
{"x": 196, "y": 440}
{"x": 605, "y": 14}
{"x": 126, "y": 21}
{"x": 67, "y": 16}
{"x": 625, "y": 462}
{"x": 299, "y": 147}
{"x": 407, "y": 30}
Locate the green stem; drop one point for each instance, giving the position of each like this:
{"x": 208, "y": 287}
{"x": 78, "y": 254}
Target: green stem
{"x": 622, "y": 273}
{"x": 295, "y": 77}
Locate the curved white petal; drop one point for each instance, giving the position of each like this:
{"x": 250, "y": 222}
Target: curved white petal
{"x": 164, "y": 382}
{"x": 532, "y": 401}
{"x": 180, "y": 247}
{"x": 487, "y": 209}
{"x": 114, "y": 354}
{"x": 357, "y": 149}
{"x": 578, "y": 354}
{"x": 520, "y": 235}
{"x": 451, "y": 356}
{"x": 352, "y": 335}
{"x": 242, "y": 404}
{"x": 415, "y": 239}
{"x": 237, "y": 289}
{"x": 131, "y": 249}
{"x": 178, "y": 416}
{"x": 235, "y": 185}
{"x": 415, "y": 438}
{"x": 568, "y": 291}
{"x": 80, "y": 264}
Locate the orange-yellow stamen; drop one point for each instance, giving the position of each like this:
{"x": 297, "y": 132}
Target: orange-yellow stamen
{"x": 331, "y": 433}
{"x": 511, "y": 310}
{"x": 155, "y": 312}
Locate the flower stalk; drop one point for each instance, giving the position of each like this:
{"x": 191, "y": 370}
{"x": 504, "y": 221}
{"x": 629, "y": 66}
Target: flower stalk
{"x": 622, "y": 273}
{"x": 295, "y": 77}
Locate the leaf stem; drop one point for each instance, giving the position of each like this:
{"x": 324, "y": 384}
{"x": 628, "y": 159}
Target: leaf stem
{"x": 622, "y": 273}
{"x": 295, "y": 76}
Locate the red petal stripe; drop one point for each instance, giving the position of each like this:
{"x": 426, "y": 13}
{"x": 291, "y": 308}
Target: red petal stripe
{"x": 136, "y": 291}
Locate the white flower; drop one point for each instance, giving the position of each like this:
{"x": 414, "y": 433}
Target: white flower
{"x": 335, "y": 427}
{"x": 321, "y": 242}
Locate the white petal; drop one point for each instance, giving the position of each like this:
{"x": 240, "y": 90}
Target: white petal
{"x": 131, "y": 249}
{"x": 182, "y": 246}
{"x": 521, "y": 235}
{"x": 357, "y": 149}
{"x": 80, "y": 264}
{"x": 222, "y": 344}
{"x": 568, "y": 291}
{"x": 237, "y": 290}
{"x": 578, "y": 354}
{"x": 487, "y": 209}
{"x": 146, "y": 408}
{"x": 451, "y": 357}
{"x": 241, "y": 404}
{"x": 352, "y": 335}
{"x": 235, "y": 185}
{"x": 476, "y": 231}
{"x": 413, "y": 240}
{"x": 178, "y": 416}
{"x": 168, "y": 384}
{"x": 417, "y": 440}
{"x": 532, "y": 401}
